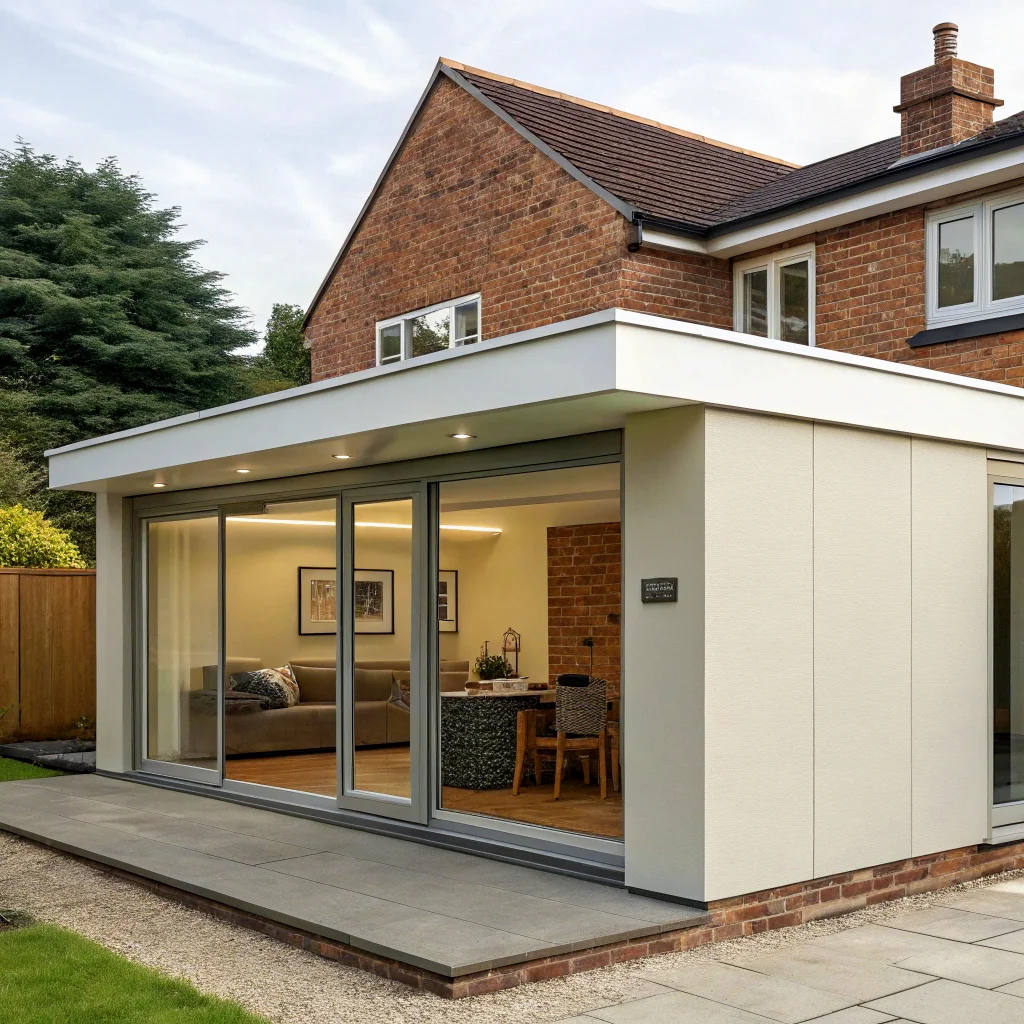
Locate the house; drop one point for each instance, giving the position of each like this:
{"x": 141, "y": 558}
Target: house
{"x": 752, "y": 431}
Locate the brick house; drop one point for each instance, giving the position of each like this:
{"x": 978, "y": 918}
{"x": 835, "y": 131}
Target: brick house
{"x": 662, "y": 427}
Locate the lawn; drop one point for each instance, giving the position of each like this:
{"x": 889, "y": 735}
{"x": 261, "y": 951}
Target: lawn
{"x": 15, "y": 771}
{"x": 52, "y": 976}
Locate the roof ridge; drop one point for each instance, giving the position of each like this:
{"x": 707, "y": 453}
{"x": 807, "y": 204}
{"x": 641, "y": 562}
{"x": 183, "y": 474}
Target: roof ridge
{"x": 458, "y": 66}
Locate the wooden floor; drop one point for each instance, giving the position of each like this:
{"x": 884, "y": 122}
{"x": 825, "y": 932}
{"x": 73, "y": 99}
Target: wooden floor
{"x": 386, "y": 770}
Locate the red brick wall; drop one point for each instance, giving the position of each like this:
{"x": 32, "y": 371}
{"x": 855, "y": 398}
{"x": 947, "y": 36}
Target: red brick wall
{"x": 470, "y": 206}
{"x": 585, "y": 599}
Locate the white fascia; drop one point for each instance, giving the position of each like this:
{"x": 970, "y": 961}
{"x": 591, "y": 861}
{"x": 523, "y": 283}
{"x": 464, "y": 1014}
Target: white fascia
{"x": 931, "y": 186}
{"x": 575, "y": 377}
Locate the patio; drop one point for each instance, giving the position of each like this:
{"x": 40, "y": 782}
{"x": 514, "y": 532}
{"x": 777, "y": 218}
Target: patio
{"x": 423, "y": 915}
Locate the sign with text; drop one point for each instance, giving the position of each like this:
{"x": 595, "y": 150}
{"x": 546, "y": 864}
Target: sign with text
{"x": 659, "y": 590}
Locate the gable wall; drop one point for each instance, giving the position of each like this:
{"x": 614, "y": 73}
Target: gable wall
{"x": 470, "y": 206}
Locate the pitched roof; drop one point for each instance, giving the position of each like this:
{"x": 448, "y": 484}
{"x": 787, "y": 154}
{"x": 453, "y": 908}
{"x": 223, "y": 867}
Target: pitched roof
{"x": 662, "y": 172}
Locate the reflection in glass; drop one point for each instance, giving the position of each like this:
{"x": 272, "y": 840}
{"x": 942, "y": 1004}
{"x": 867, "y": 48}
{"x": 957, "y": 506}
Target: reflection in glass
{"x": 956, "y": 262}
{"x": 280, "y": 675}
{"x": 1008, "y": 252}
{"x": 467, "y": 323}
{"x": 1008, "y": 643}
{"x": 794, "y": 302}
{"x": 391, "y": 343}
{"x": 431, "y": 332}
{"x": 755, "y": 302}
{"x": 181, "y": 638}
{"x": 529, "y": 568}
{"x": 382, "y": 646}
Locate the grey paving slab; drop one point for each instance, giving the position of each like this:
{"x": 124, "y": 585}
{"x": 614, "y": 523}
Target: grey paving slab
{"x": 949, "y": 923}
{"x": 1013, "y": 941}
{"x": 853, "y": 977}
{"x": 949, "y": 1002}
{"x": 880, "y": 943}
{"x": 972, "y": 965}
{"x": 993, "y": 902}
{"x": 1015, "y": 988}
{"x": 579, "y": 1019}
{"x": 676, "y": 1008}
{"x": 854, "y": 1015}
{"x": 775, "y": 998}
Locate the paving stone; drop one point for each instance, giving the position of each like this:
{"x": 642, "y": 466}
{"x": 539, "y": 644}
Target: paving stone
{"x": 879, "y": 943}
{"x": 1014, "y": 942}
{"x": 853, "y": 977}
{"x": 949, "y": 1002}
{"x": 958, "y": 925}
{"x": 972, "y": 965}
{"x": 675, "y": 1008}
{"x": 769, "y": 996}
{"x": 855, "y": 1015}
{"x": 993, "y": 902}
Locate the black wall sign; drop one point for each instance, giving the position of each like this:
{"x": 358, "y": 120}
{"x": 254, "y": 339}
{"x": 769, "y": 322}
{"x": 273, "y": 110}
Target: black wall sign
{"x": 659, "y": 589}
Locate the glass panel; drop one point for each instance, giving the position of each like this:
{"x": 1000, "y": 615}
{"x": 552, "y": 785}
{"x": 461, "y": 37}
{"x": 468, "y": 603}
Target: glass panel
{"x": 467, "y": 323}
{"x": 1008, "y": 252}
{"x": 1008, "y": 644}
{"x": 391, "y": 343}
{"x": 382, "y": 647}
{"x": 431, "y": 332}
{"x": 755, "y": 302}
{"x": 956, "y": 262}
{"x": 530, "y": 586}
{"x": 182, "y": 642}
{"x": 280, "y": 648}
{"x": 794, "y": 303}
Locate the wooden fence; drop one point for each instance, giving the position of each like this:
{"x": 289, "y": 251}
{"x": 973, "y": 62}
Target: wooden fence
{"x": 47, "y": 652}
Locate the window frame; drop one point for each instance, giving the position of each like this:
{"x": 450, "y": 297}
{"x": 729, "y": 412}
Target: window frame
{"x": 982, "y": 213}
{"x": 404, "y": 320}
{"x": 773, "y": 262}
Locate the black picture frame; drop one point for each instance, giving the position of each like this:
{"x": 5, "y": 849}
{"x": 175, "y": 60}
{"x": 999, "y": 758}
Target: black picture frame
{"x": 386, "y": 578}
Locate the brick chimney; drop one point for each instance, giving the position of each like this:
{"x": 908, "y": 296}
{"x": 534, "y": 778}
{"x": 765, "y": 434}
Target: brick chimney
{"x": 947, "y": 102}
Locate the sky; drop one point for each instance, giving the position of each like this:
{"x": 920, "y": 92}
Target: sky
{"x": 268, "y": 121}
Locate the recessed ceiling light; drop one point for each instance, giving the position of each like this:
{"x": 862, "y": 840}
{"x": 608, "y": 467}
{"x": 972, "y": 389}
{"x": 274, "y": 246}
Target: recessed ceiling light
{"x": 159, "y": 485}
{"x": 463, "y": 437}
{"x": 243, "y": 470}
{"x": 341, "y": 456}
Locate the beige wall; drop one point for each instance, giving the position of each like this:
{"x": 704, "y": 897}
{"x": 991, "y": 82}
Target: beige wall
{"x": 833, "y": 623}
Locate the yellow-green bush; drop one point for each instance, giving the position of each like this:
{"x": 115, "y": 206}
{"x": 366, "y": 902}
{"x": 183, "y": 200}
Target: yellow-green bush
{"x": 27, "y": 540}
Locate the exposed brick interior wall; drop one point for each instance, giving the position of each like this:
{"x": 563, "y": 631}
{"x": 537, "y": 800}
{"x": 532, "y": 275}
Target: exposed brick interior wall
{"x": 585, "y": 599}
{"x": 470, "y": 206}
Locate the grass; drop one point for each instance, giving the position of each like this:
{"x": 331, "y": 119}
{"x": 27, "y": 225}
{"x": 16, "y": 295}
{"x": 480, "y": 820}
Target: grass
{"x": 52, "y": 976}
{"x": 15, "y": 771}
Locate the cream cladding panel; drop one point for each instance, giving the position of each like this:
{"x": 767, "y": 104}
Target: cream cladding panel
{"x": 950, "y": 646}
{"x": 862, "y": 622}
{"x": 759, "y": 678}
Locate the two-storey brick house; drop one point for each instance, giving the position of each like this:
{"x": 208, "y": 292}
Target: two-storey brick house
{"x": 597, "y": 401}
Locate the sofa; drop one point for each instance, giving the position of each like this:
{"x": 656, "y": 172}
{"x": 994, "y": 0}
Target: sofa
{"x": 381, "y": 706}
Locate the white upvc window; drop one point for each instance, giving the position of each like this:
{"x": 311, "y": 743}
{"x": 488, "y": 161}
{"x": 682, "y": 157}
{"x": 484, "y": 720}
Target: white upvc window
{"x": 446, "y": 325}
{"x": 773, "y": 295}
{"x": 975, "y": 260}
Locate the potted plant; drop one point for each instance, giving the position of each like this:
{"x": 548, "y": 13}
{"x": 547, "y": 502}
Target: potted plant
{"x": 491, "y": 666}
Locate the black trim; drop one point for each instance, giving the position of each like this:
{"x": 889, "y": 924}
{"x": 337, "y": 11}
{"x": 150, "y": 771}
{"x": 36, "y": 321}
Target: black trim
{"x": 972, "y": 329}
{"x": 682, "y": 900}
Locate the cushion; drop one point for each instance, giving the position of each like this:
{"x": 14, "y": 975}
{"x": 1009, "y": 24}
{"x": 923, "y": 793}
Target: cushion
{"x": 316, "y": 682}
{"x": 453, "y": 680}
{"x": 373, "y": 683}
{"x": 455, "y": 666}
{"x": 277, "y": 685}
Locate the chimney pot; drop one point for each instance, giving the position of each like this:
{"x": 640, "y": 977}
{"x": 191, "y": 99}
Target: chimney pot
{"x": 945, "y": 41}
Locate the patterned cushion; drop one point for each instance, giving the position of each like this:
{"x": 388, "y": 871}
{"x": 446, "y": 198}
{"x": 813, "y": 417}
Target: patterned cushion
{"x": 276, "y": 685}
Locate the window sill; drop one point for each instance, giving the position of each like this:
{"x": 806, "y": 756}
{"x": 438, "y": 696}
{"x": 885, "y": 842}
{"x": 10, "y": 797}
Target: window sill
{"x": 971, "y": 329}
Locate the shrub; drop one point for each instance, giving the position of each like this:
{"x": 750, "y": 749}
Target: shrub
{"x": 27, "y": 540}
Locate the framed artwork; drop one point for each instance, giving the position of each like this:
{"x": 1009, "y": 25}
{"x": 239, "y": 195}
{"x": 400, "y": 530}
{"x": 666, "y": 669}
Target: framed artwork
{"x": 318, "y": 600}
{"x": 448, "y": 600}
{"x": 374, "y": 600}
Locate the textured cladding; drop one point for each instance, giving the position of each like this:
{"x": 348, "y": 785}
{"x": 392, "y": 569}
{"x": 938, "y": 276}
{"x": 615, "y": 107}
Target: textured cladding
{"x": 661, "y": 173}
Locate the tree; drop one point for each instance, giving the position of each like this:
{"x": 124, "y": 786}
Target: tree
{"x": 27, "y": 540}
{"x": 106, "y": 320}
{"x": 283, "y": 343}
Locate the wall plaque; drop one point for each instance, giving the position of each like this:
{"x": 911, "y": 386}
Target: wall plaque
{"x": 659, "y": 589}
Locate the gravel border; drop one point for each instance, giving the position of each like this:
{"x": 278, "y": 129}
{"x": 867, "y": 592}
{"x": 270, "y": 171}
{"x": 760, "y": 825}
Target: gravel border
{"x": 291, "y": 986}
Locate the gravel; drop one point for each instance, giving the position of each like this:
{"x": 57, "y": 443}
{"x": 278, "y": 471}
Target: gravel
{"x": 291, "y": 986}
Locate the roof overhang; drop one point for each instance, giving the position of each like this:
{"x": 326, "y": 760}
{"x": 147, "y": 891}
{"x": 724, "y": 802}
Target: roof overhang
{"x": 575, "y": 377}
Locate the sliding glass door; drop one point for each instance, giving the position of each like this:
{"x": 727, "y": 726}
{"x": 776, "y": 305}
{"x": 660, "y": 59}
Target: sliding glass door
{"x": 181, "y": 702}
{"x": 383, "y": 729}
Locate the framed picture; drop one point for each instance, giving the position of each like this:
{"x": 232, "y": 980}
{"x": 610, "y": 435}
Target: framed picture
{"x": 318, "y": 600}
{"x": 374, "y": 600}
{"x": 448, "y": 600}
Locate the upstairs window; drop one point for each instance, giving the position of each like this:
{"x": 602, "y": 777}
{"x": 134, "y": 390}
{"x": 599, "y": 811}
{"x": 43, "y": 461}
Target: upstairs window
{"x": 434, "y": 329}
{"x": 975, "y": 261}
{"x": 774, "y": 296}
